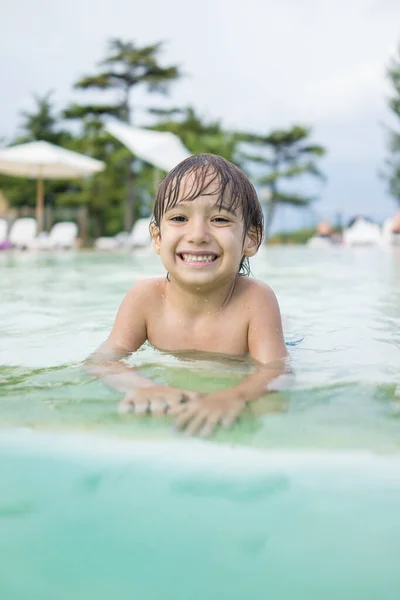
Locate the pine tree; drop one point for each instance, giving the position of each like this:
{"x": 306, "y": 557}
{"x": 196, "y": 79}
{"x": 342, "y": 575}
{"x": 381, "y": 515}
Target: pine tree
{"x": 286, "y": 155}
{"x": 393, "y": 163}
{"x": 125, "y": 67}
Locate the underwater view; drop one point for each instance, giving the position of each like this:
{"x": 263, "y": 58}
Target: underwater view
{"x": 299, "y": 499}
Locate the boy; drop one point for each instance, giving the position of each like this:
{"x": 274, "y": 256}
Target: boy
{"x": 207, "y": 222}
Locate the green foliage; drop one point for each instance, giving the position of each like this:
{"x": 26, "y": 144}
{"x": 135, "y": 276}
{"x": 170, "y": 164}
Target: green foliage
{"x": 279, "y": 157}
{"x": 126, "y": 66}
{"x": 393, "y": 163}
{"x": 103, "y": 193}
{"x": 198, "y": 135}
{"x": 300, "y": 236}
{"x": 43, "y": 123}
{"x": 88, "y": 112}
{"x": 286, "y": 155}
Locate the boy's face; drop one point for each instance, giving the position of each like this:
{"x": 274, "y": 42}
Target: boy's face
{"x": 201, "y": 243}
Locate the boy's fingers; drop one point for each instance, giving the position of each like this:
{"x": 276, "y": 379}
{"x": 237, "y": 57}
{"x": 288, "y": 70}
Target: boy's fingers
{"x": 176, "y": 409}
{"x": 229, "y": 420}
{"x": 139, "y": 407}
{"x": 185, "y": 416}
{"x": 186, "y": 397}
{"x": 175, "y": 402}
{"x": 176, "y": 399}
{"x": 179, "y": 409}
{"x": 125, "y": 406}
{"x": 231, "y": 417}
{"x": 158, "y": 407}
{"x": 210, "y": 426}
{"x": 195, "y": 424}
{"x": 190, "y": 396}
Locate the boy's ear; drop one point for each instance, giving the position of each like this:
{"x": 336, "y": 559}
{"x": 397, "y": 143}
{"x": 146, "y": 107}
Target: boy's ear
{"x": 250, "y": 246}
{"x": 155, "y": 237}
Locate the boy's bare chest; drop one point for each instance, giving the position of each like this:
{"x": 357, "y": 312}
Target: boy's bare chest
{"x": 224, "y": 332}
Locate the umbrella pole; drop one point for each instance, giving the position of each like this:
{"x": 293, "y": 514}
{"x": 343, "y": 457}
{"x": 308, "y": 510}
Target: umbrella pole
{"x": 39, "y": 203}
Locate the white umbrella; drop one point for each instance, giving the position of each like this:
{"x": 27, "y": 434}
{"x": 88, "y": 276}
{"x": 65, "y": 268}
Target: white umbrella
{"x": 41, "y": 160}
{"x": 162, "y": 149}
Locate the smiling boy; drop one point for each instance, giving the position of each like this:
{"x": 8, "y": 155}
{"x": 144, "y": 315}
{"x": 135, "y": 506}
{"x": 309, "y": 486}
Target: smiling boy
{"x": 207, "y": 223}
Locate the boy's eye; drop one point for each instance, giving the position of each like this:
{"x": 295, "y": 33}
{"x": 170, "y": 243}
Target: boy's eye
{"x": 220, "y": 220}
{"x": 178, "y": 219}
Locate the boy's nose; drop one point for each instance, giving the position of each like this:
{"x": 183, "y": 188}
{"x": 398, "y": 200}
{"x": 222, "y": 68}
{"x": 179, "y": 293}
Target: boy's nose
{"x": 199, "y": 232}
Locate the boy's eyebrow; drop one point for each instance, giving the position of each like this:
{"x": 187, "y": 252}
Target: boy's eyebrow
{"x": 225, "y": 207}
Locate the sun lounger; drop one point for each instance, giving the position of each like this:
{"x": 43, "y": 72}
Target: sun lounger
{"x": 140, "y": 234}
{"x": 3, "y": 230}
{"x": 139, "y": 237}
{"x": 4, "y": 243}
{"x": 362, "y": 233}
{"x": 61, "y": 237}
{"x": 23, "y": 232}
{"x": 116, "y": 242}
{"x": 320, "y": 242}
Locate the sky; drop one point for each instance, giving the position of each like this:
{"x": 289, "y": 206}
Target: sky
{"x": 256, "y": 65}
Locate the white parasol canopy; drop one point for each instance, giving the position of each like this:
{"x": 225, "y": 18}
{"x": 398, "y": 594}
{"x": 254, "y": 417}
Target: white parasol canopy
{"x": 161, "y": 149}
{"x": 41, "y": 160}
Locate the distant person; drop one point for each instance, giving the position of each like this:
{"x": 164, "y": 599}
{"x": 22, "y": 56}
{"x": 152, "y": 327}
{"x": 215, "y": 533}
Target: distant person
{"x": 324, "y": 230}
{"x": 324, "y": 237}
{"x": 396, "y": 229}
{"x": 396, "y": 224}
{"x": 207, "y": 223}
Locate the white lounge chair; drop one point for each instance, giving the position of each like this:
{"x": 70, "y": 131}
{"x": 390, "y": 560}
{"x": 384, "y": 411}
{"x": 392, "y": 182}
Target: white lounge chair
{"x": 61, "y": 237}
{"x": 362, "y": 233}
{"x": 106, "y": 243}
{"x": 140, "y": 234}
{"x": 320, "y": 242}
{"x": 23, "y": 232}
{"x": 3, "y": 231}
{"x": 139, "y": 237}
{"x": 116, "y": 242}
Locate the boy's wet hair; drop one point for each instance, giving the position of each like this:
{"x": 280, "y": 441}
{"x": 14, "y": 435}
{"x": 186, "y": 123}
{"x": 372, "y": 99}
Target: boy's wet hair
{"x": 234, "y": 191}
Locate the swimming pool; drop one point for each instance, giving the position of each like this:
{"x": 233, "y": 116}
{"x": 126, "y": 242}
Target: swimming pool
{"x": 299, "y": 500}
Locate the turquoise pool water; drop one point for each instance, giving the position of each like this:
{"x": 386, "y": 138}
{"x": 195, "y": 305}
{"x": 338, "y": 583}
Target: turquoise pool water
{"x": 299, "y": 500}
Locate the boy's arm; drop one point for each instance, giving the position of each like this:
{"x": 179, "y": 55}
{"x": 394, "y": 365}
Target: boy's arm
{"x": 267, "y": 347}
{"x": 127, "y": 335}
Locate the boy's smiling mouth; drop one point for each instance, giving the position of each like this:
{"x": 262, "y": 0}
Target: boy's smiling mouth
{"x": 199, "y": 258}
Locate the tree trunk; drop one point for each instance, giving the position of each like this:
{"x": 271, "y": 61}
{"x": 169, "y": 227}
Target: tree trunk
{"x": 269, "y": 217}
{"x": 129, "y": 215}
{"x": 82, "y": 218}
{"x": 97, "y": 224}
{"x": 129, "y": 212}
{"x": 40, "y": 204}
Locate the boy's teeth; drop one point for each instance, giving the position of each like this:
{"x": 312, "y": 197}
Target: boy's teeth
{"x": 197, "y": 258}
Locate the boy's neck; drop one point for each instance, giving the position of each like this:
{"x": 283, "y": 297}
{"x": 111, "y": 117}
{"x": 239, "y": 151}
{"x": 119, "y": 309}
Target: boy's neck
{"x": 199, "y": 300}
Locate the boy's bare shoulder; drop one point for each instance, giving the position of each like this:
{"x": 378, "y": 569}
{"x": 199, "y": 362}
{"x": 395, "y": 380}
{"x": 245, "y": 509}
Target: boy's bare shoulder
{"x": 146, "y": 291}
{"x": 148, "y": 287}
{"x": 255, "y": 293}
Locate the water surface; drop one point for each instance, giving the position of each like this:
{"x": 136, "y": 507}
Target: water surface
{"x": 298, "y": 501}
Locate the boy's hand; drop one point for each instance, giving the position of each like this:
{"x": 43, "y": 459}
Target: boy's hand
{"x": 155, "y": 399}
{"x": 205, "y": 412}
